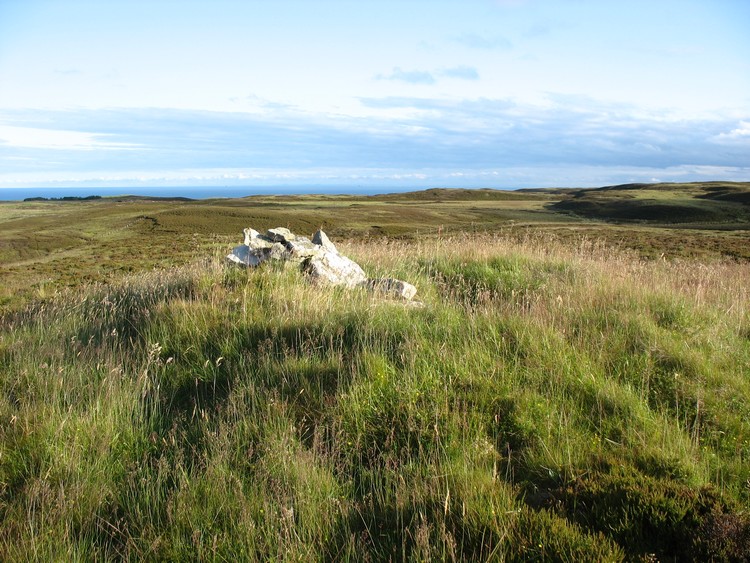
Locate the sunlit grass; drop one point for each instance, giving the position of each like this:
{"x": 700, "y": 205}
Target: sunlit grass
{"x": 547, "y": 401}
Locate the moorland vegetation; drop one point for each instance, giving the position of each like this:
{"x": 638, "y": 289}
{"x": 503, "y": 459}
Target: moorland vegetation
{"x": 567, "y": 392}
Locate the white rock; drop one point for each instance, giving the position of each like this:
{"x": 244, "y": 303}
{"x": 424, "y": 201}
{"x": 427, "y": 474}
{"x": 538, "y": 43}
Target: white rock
{"x": 301, "y": 248}
{"x": 319, "y": 258}
{"x": 254, "y": 239}
{"x": 277, "y": 251}
{"x": 332, "y": 268}
{"x": 280, "y": 234}
{"x": 320, "y": 238}
{"x": 392, "y": 288}
{"x": 250, "y": 234}
{"x": 246, "y": 256}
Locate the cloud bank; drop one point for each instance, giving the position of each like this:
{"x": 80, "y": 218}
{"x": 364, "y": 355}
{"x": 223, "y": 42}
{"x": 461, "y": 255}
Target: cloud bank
{"x": 482, "y": 142}
{"x": 410, "y": 76}
{"x": 479, "y": 41}
{"x": 463, "y": 72}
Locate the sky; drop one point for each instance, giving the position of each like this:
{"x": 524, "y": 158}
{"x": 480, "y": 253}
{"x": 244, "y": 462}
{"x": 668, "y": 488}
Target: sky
{"x": 407, "y": 93}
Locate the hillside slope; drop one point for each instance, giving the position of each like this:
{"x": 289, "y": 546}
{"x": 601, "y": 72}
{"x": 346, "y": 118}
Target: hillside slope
{"x": 52, "y": 244}
{"x": 708, "y": 204}
{"x": 548, "y": 402}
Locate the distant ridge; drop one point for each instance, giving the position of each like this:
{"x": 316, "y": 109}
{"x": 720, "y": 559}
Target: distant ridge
{"x": 108, "y": 198}
{"x": 725, "y": 203}
{"x": 454, "y": 194}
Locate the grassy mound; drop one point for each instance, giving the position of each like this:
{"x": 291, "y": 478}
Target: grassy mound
{"x": 46, "y": 245}
{"x": 643, "y": 210}
{"x": 697, "y": 203}
{"x": 547, "y": 403}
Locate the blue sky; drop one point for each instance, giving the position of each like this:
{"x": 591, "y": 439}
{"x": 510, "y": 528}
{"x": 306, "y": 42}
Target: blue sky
{"x": 409, "y": 93}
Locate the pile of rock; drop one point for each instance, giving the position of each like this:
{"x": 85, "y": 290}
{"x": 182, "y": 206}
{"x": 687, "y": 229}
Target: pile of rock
{"x": 318, "y": 258}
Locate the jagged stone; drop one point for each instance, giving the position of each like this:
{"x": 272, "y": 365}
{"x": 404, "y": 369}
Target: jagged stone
{"x": 321, "y": 239}
{"x": 260, "y": 242}
{"x": 319, "y": 259}
{"x": 277, "y": 252}
{"x": 280, "y": 234}
{"x": 301, "y": 248}
{"x": 254, "y": 239}
{"x": 250, "y": 234}
{"x": 249, "y": 257}
{"x": 332, "y": 268}
{"x": 392, "y": 288}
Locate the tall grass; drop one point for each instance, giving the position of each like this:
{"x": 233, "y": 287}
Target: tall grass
{"x": 548, "y": 402}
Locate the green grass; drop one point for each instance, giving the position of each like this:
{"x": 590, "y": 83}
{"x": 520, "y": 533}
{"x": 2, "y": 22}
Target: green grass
{"x": 47, "y": 246}
{"x": 549, "y": 402}
{"x": 697, "y": 203}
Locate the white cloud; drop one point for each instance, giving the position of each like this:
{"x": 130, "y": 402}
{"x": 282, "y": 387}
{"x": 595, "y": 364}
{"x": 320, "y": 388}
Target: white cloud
{"x": 410, "y": 76}
{"x": 478, "y": 41}
{"x": 302, "y": 180}
{"x": 414, "y": 140}
{"x": 463, "y": 72}
{"x": 741, "y": 134}
{"x": 36, "y": 138}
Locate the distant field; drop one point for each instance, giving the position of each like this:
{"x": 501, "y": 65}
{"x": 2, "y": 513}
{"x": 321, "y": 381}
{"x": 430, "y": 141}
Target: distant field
{"x": 48, "y": 245}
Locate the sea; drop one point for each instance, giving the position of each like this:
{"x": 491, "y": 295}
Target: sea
{"x": 197, "y": 192}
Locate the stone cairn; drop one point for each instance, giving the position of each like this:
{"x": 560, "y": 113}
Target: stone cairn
{"x": 318, "y": 258}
